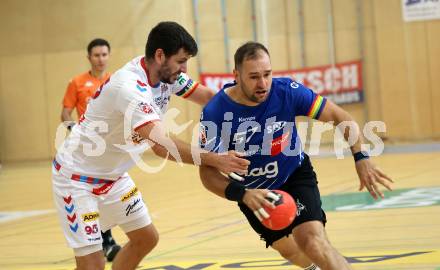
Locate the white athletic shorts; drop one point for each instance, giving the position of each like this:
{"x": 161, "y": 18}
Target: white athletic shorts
{"x": 85, "y": 209}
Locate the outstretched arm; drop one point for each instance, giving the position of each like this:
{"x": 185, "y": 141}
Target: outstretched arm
{"x": 177, "y": 150}
{"x": 369, "y": 175}
{"x": 202, "y": 95}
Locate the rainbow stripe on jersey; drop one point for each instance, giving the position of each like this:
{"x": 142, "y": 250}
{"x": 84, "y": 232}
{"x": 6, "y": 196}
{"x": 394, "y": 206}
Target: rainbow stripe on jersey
{"x": 317, "y": 105}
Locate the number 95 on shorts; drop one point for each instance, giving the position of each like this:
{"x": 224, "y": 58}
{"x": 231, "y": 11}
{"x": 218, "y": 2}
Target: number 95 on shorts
{"x": 84, "y": 214}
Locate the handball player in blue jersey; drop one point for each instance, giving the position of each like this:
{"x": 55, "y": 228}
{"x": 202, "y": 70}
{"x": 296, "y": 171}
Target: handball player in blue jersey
{"x": 255, "y": 115}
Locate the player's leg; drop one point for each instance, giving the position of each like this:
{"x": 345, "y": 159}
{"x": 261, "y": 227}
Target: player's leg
{"x": 79, "y": 218}
{"x": 280, "y": 240}
{"x": 141, "y": 242}
{"x": 308, "y": 226}
{"x": 129, "y": 211}
{"x": 312, "y": 240}
{"x": 288, "y": 248}
{"x": 89, "y": 261}
{"x": 109, "y": 245}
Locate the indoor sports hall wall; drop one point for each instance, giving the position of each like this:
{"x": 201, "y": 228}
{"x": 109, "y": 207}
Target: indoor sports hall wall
{"x": 43, "y": 46}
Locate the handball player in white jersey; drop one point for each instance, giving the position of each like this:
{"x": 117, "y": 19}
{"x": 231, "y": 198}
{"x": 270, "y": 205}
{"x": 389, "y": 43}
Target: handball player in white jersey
{"x": 92, "y": 190}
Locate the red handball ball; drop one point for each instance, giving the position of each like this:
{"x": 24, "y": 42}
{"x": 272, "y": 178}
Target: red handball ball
{"x": 283, "y": 214}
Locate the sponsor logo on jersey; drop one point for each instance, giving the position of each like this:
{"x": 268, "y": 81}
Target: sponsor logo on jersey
{"x": 202, "y": 136}
{"x": 133, "y": 207}
{"x": 145, "y": 107}
{"x": 294, "y": 85}
{"x": 243, "y": 119}
{"x": 90, "y": 216}
{"x": 161, "y": 101}
{"x": 88, "y": 84}
{"x": 275, "y": 126}
{"x": 129, "y": 194}
{"x": 243, "y": 137}
{"x": 270, "y": 170}
{"x": 137, "y": 138}
{"x": 181, "y": 80}
{"x": 141, "y": 86}
{"x": 279, "y": 144}
{"x": 163, "y": 87}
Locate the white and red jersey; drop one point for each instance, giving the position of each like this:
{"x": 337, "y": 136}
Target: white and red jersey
{"x": 105, "y": 141}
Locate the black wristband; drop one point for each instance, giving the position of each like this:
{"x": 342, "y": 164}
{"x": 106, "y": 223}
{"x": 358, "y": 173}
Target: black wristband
{"x": 360, "y": 156}
{"x": 235, "y": 191}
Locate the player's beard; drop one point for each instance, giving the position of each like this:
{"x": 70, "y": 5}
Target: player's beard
{"x": 165, "y": 75}
{"x": 250, "y": 95}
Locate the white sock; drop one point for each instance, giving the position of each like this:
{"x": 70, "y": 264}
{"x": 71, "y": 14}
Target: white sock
{"x": 312, "y": 267}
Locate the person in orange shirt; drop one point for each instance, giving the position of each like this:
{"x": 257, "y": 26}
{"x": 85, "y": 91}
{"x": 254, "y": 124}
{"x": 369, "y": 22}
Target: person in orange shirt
{"x": 80, "y": 89}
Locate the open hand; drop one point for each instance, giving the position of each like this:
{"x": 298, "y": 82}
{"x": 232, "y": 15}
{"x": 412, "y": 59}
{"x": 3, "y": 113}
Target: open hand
{"x": 232, "y": 162}
{"x": 370, "y": 176}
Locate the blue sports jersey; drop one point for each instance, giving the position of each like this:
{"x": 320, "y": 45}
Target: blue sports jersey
{"x": 266, "y": 133}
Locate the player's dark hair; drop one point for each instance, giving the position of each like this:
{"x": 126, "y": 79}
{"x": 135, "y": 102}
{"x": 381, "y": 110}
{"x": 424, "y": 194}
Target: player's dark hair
{"x": 170, "y": 37}
{"x": 97, "y": 42}
{"x": 247, "y": 51}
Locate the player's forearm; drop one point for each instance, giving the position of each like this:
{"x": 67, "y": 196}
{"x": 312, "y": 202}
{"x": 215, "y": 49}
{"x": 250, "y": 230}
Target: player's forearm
{"x": 334, "y": 114}
{"x": 66, "y": 115}
{"x": 350, "y": 131}
{"x": 213, "y": 180}
{"x": 177, "y": 150}
{"x": 174, "y": 150}
{"x": 202, "y": 95}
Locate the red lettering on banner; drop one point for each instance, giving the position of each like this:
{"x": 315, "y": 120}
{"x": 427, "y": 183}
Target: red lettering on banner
{"x": 336, "y": 82}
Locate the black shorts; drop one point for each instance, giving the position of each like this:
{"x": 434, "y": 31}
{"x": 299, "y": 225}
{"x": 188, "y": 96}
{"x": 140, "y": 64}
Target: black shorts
{"x": 303, "y": 187}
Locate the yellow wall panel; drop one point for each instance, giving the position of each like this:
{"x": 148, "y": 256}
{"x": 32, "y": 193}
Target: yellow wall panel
{"x": 393, "y": 81}
{"x": 433, "y": 52}
{"x": 63, "y": 25}
{"x": 418, "y": 79}
{"x": 212, "y": 57}
{"x": 239, "y": 14}
{"x": 59, "y": 69}
{"x": 101, "y": 20}
{"x": 344, "y": 14}
{"x": 388, "y": 13}
{"x": 293, "y": 34}
{"x": 292, "y": 17}
{"x": 24, "y": 108}
{"x": 294, "y": 52}
{"x": 347, "y": 45}
{"x": 2, "y": 118}
{"x": 119, "y": 56}
{"x": 317, "y": 49}
{"x": 146, "y": 14}
{"x": 392, "y": 66}
{"x": 371, "y": 77}
{"x": 279, "y": 53}
{"x": 21, "y": 27}
{"x": 315, "y": 15}
{"x": 210, "y": 21}
{"x": 367, "y": 9}
{"x": 276, "y": 17}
